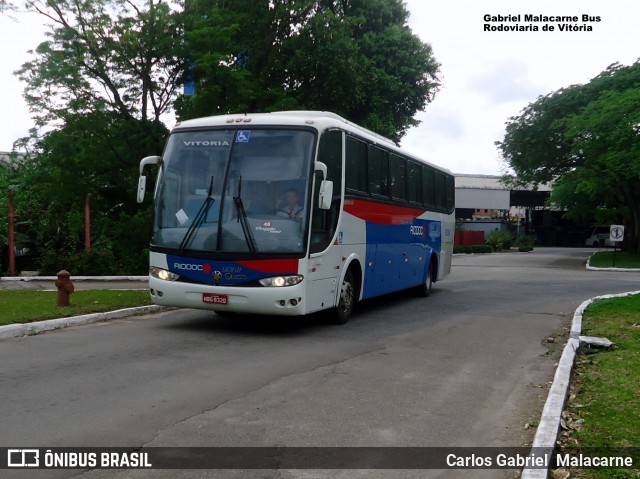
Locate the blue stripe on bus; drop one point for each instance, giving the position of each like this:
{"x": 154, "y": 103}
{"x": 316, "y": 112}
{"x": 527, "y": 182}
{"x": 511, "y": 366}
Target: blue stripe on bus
{"x": 397, "y": 255}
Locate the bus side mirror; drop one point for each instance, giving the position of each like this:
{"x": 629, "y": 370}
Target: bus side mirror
{"x": 325, "y": 194}
{"x": 142, "y": 186}
{"x": 142, "y": 181}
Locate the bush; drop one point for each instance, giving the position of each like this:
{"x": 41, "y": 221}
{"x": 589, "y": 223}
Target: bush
{"x": 481, "y": 248}
{"x": 525, "y": 249}
{"x": 468, "y": 250}
{"x": 499, "y": 239}
{"x": 97, "y": 262}
{"x": 524, "y": 242}
{"x": 458, "y": 249}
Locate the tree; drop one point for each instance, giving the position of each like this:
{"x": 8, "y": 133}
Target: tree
{"x": 586, "y": 140}
{"x": 100, "y": 84}
{"x": 104, "y": 54}
{"x": 357, "y": 58}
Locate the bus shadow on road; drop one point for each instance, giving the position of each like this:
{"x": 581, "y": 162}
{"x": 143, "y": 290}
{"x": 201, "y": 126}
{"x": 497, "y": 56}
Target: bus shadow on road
{"x": 368, "y": 313}
{"x": 251, "y": 324}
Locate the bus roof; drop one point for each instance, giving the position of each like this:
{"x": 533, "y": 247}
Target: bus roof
{"x": 318, "y": 119}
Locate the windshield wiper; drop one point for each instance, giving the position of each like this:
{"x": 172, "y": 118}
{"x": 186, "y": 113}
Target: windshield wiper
{"x": 199, "y": 219}
{"x": 242, "y": 219}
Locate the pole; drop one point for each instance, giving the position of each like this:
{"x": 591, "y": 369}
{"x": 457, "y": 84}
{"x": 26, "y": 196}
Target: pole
{"x": 87, "y": 223}
{"x": 12, "y": 241}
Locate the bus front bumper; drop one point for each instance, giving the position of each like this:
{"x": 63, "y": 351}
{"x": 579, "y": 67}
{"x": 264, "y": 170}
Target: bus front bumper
{"x": 283, "y": 301}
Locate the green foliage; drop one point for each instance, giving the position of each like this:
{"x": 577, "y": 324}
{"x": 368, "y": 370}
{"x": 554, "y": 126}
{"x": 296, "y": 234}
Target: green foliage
{"x": 97, "y": 154}
{"x": 499, "y": 240}
{"x": 124, "y": 57}
{"x": 604, "y": 400}
{"x": 523, "y": 241}
{"x": 29, "y": 306}
{"x": 623, "y": 259}
{"x": 108, "y": 71}
{"x": 357, "y": 58}
{"x": 585, "y": 138}
{"x": 481, "y": 248}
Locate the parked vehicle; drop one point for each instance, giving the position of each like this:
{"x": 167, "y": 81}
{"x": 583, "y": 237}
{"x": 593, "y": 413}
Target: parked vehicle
{"x": 599, "y": 236}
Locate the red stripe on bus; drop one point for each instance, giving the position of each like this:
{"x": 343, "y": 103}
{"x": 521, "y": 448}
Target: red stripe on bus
{"x": 381, "y": 213}
{"x": 271, "y": 265}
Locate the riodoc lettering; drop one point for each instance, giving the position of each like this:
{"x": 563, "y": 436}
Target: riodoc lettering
{"x": 188, "y": 267}
{"x": 417, "y": 230}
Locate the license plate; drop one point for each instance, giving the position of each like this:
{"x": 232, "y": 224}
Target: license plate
{"x": 212, "y": 298}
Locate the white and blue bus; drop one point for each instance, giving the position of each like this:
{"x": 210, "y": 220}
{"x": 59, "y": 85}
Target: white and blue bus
{"x": 290, "y": 213}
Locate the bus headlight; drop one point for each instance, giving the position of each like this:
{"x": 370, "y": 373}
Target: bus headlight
{"x": 163, "y": 274}
{"x": 278, "y": 281}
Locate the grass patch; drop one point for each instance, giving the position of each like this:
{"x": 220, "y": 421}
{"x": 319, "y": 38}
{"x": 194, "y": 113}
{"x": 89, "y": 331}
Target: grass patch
{"x": 603, "y": 409}
{"x": 29, "y": 306}
{"x": 604, "y": 259}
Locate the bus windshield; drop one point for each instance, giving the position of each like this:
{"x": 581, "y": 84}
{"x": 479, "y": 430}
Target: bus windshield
{"x": 235, "y": 191}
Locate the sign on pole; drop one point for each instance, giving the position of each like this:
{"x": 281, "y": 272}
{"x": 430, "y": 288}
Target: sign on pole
{"x": 616, "y": 233}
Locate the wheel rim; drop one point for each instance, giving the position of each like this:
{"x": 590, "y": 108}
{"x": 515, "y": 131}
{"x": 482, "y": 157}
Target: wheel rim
{"x": 346, "y": 296}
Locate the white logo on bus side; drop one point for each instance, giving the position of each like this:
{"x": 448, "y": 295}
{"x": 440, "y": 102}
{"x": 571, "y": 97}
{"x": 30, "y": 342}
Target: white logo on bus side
{"x": 188, "y": 267}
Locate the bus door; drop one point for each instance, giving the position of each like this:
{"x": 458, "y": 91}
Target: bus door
{"x": 325, "y": 251}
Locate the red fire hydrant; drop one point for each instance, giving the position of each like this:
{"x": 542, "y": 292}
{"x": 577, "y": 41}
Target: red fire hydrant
{"x": 65, "y": 287}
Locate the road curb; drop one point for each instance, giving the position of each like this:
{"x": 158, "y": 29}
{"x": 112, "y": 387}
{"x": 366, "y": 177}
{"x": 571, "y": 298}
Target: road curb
{"x": 27, "y": 329}
{"x": 544, "y": 441}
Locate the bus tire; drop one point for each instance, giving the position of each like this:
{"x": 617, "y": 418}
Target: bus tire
{"x": 346, "y": 301}
{"x": 427, "y": 286}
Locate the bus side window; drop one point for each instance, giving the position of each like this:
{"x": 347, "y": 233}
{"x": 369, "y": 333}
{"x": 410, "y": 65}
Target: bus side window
{"x": 324, "y": 222}
{"x": 414, "y": 184}
{"x": 356, "y": 166}
{"x": 378, "y": 171}
{"x": 398, "y": 167}
{"x": 441, "y": 191}
{"x": 451, "y": 194}
{"x": 429, "y": 187}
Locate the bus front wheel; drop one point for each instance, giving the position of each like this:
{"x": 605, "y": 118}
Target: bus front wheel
{"x": 347, "y": 299}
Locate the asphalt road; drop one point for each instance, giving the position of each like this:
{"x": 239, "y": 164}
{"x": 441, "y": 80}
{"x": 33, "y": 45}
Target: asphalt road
{"x": 468, "y": 366}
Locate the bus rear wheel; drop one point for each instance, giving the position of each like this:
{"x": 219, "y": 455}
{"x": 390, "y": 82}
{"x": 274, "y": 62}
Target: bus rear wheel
{"x": 346, "y": 301}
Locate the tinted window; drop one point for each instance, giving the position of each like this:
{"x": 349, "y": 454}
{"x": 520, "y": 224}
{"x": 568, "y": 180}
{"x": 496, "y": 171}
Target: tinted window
{"x": 398, "y": 177}
{"x": 429, "y": 186}
{"x": 356, "y": 165}
{"x": 414, "y": 182}
{"x": 451, "y": 194}
{"x": 378, "y": 171}
{"x": 441, "y": 190}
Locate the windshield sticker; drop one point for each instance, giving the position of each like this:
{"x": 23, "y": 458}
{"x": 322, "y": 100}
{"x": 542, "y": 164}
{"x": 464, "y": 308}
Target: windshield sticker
{"x": 205, "y": 143}
{"x": 182, "y": 217}
{"x": 266, "y": 227}
{"x": 243, "y": 136}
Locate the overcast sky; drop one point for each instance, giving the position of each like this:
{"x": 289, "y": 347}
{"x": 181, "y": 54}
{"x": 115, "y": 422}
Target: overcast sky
{"x": 487, "y": 76}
